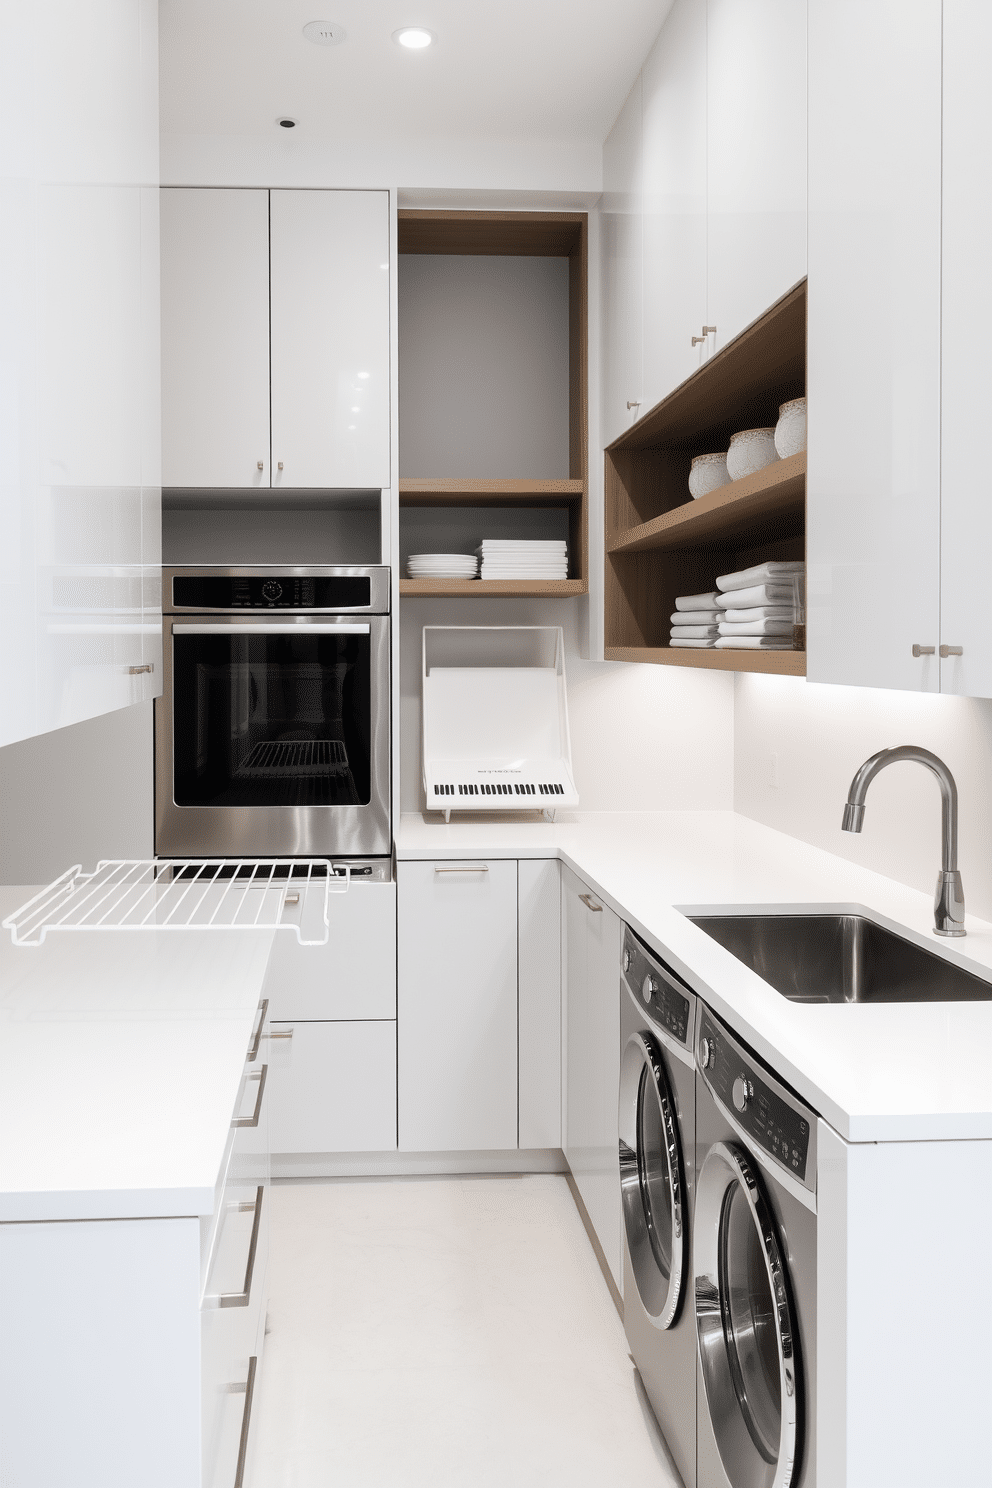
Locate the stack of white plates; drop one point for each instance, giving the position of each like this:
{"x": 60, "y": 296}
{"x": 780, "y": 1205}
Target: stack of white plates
{"x": 442, "y": 566}
{"x": 505, "y": 559}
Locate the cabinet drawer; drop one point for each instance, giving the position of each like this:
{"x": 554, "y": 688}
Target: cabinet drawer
{"x": 333, "y": 1087}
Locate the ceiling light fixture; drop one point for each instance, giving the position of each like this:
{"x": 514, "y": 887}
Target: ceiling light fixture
{"x": 414, "y": 38}
{"x": 286, "y": 123}
{"x": 324, "y": 33}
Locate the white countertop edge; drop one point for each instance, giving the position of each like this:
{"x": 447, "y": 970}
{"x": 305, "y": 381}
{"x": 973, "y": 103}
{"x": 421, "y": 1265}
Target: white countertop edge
{"x": 89, "y": 1205}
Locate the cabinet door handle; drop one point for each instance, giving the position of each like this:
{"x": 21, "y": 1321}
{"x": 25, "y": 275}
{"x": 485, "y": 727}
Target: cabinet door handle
{"x": 242, "y": 1298}
{"x": 252, "y": 1120}
{"x": 260, "y": 464}
{"x": 136, "y": 671}
{"x": 239, "y": 1475}
{"x": 463, "y": 868}
{"x": 707, "y": 330}
{"x": 590, "y": 903}
{"x": 279, "y": 466}
{"x": 946, "y": 651}
{"x": 924, "y": 650}
{"x": 263, "y": 1008}
{"x": 697, "y": 340}
{"x": 633, "y": 403}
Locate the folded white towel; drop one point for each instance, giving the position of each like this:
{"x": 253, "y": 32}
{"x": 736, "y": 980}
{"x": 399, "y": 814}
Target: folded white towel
{"x": 701, "y": 645}
{"x": 753, "y": 643}
{"x": 697, "y": 617}
{"x": 758, "y": 628}
{"x": 759, "y": 612}
{"x": 762, "y": 573}
{"x": 709, "y": 601}
{"x": 761, "y": 594}
{"x": 694, "y": 632}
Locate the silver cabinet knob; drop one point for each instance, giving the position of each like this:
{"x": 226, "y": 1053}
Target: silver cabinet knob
{"x": 697, "y": 340}
{"x": 280, "y": 465}
{"x": 708, "y": 329}
{"x": 947, "y": 651}
{"x": 924, "y": 650}
{"x": 741, "y": 1092}
{"x": 260, "y": 464}
{"x": 648, "y": 987}
{"x": 626, "y": 960}
{"x": 633, "y": 403}
{"x": 705, "y": 1052}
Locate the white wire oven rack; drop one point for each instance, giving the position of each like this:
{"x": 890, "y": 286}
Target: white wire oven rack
{"x": 186, "y": 894}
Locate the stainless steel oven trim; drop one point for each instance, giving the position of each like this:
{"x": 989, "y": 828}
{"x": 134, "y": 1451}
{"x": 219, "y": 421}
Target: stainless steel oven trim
{"x": 378, "y": 576}
{"x": 279, "y": 831}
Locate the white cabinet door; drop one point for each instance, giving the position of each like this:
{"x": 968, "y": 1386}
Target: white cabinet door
{"x": 674, "y": 198}
{"x": 332, "y": 1087}
{"x": 215, "y": 337}
{"x": 457, "y": 1006}
{"x": 539, "y": 1001}
{"x": 591, "y": 941}
{"x": 966, "y": 394}
{"x": 622, "y": 256}
{"x": 874, "y": 327}
{"x": 330, "y": 338}
{"x": 354, "y": 974}
{"x": 756, "y": 155}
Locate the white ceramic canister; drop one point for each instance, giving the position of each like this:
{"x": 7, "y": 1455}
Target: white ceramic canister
{"x": 790, "y": 431}
{"x": 751, "y": 450}
{"x": 708, "y": 473}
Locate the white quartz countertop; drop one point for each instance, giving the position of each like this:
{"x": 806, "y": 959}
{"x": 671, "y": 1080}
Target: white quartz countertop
{"x": 121, "y": 1057}
{"x": 875, "y": 1072}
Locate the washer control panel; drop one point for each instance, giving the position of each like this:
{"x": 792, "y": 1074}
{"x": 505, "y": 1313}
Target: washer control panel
{"x": 657, "y": 990}
{"x": 771, "y": 1116}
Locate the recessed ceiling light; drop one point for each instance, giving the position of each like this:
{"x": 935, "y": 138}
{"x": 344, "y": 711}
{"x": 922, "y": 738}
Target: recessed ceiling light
{"x": 324, "y": 33}
{"x": 286, "y": 123}
{"x": 415, "y": 38}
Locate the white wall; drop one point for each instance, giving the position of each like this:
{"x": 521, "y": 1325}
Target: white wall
{"x": 643, "y": 737}
{"x": 819, "y": 735}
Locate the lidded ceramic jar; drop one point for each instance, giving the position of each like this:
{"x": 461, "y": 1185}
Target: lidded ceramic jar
{"x": 790, "y": 431}
{"x": 708, "y": 473}
{"x": 750, "y": 451}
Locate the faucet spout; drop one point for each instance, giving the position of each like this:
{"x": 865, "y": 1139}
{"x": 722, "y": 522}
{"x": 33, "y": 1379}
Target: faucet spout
{"x": 949, "y": 898}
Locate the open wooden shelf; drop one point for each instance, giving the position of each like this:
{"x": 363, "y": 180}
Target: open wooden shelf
{"x": 452, "y": 491}
{"x": 659, "y": 542}
{"x": 478, "y": 588}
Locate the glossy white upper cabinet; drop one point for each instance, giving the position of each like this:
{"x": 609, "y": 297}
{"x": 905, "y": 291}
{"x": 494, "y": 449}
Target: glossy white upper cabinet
{"x": 756, "y": 155}
{"x": 215, "y": 337}
{"x": 330, "y": 338}
{"x": 623, "y": 394}
{"x": 79, "y": 378}
{"x": 874, "y": 335}
{"x": 966, "y": 394}
{"x": 674, "y": 201}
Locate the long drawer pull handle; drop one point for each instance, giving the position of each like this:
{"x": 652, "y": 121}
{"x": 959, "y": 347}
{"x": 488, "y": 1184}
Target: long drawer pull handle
{"x": 590, "y": 903}
{"x": 239, "y": 1476}
{"x": 252, "y": 1120}
{"x": 463, "y": 868}
{"x": 242, "y": 1298}
{"x": 263, "y": 1008}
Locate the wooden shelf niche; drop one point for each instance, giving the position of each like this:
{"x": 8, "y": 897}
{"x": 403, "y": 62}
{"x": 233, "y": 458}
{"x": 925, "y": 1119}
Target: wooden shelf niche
{"x": 660, "y": 543}
{"x": 498, "y": 234}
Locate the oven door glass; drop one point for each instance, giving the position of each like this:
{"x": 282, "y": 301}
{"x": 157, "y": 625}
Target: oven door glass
{"x": 271, "y": 716}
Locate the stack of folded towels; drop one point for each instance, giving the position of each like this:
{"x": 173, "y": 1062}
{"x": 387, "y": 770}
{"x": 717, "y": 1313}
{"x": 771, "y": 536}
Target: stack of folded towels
{"x": 761, "y": 606}
{"x": 506, "y": 559}
{"x": 755, "y": 610}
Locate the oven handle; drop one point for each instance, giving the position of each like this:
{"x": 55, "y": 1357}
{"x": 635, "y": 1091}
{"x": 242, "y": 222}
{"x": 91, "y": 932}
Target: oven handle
{"x": 271, "y": 630}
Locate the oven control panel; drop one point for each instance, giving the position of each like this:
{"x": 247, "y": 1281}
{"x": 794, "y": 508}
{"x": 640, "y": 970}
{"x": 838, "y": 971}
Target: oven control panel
{"x": 773, "y": 1119}
{"x": 270, "y": 592}
{"x": 657, "y": 991}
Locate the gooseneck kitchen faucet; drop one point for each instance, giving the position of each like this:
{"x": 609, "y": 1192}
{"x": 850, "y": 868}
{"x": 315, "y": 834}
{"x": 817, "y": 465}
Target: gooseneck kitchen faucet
{"x": 948, "y": 904}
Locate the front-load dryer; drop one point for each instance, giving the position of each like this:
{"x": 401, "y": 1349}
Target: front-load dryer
{"x": 657, "y": 1139}
{"x": 754, "y": 1270}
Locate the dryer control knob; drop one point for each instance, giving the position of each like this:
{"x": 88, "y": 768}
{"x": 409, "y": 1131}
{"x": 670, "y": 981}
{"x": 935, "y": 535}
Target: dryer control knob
{"x": 626, "y": 959}
{"x": 705, "y": 1052}
{"x": 741, "y": 1092}
{"x": 648, "y": 986}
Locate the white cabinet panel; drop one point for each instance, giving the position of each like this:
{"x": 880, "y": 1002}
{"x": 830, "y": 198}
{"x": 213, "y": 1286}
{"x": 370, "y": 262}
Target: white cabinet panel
{"x": 756, "y": 154}
{"x": 330, "y": 338}
{"x": 333, "y": 1089}
{"x": 215, "y": 337}
{"x": 873, "y": 499}
{"x": 674, "y": 201}
{"x": 622, "y": 258}
{"x": 457, "y": 1006}
{"x": 353, "y": 975}
{"x": 966, "y": 513}
{"x": 539, "y": 1001}
{"x": 591, "y": 941}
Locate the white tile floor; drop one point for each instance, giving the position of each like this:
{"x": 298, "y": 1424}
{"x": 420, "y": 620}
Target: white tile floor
{"x": 451, "y": 1332}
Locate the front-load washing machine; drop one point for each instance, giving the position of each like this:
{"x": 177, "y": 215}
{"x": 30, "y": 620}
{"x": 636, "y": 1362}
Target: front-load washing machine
{"x": 657, "y": 1139}
{"x": 754, "y": 1270}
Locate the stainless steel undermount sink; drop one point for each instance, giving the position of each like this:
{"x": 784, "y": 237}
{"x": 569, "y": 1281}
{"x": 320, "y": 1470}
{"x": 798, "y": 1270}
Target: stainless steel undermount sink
{"x": 840, "y": 958}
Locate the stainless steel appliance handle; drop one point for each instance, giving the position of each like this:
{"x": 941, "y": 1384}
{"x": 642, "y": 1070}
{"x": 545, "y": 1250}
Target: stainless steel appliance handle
{"x": 263, "y": 1008}
{"x": 252, "y": 1120}
{"x": 242, "y": 1298}
{"x": 234, "y": 628}
{"x": 590, "y": 903}
{"x": 239, "y": 1476}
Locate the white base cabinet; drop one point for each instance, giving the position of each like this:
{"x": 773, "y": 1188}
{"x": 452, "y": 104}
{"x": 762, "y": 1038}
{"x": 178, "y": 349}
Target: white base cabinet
{"x": 591, "y": 942}
{"x": 332, "y": 1086}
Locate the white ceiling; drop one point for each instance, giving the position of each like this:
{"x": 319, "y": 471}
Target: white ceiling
{"x": 550, "y": 70}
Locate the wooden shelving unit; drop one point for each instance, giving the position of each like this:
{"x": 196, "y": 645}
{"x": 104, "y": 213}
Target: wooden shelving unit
{"x": 535, "y": 234}
{"x": 659, "y": 542}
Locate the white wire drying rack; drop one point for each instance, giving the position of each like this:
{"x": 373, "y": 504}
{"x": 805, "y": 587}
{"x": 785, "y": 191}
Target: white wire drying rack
{"x": 186, "y": 894}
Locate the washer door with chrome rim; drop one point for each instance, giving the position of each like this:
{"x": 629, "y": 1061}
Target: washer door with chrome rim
{"x": 652, "y": 1180}
{"x": 745, "y": 1324}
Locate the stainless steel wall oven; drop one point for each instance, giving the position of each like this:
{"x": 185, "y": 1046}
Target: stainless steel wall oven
{"x": 272, "y": 731}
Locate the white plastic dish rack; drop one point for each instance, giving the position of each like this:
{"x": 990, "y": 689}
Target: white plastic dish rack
{"x": 496, "y": 738}
{"x": 186, "y": 894}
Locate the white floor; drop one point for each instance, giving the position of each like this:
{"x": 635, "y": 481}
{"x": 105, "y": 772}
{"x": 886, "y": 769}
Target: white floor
{"x": 451, "y": 1332}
